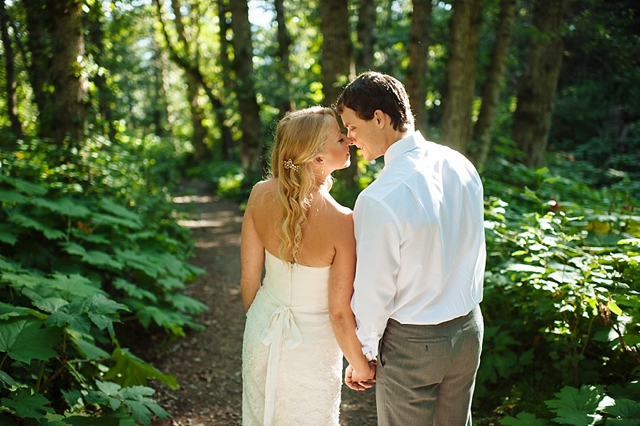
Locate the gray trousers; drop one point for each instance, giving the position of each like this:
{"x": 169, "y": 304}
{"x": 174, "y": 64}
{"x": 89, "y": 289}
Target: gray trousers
{"x": 426, "y": 373}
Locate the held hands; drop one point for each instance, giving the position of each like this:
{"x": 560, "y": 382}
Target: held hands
{"x": 360, "y": 381}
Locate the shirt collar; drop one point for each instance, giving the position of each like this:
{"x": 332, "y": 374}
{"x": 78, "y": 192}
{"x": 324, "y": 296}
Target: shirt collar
{"x": 402, "y": 146}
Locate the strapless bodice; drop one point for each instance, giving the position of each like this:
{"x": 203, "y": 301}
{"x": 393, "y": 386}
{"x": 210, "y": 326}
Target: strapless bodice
{"x": 296, "y": 286}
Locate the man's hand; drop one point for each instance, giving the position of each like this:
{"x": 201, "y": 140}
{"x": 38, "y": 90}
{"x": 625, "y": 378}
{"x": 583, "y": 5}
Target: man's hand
{"x": 360, "y": 381}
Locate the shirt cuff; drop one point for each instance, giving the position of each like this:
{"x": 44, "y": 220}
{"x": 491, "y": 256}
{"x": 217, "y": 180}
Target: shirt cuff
{"x": 370, "y": 346}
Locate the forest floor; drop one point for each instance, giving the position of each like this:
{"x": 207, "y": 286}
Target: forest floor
{"x": 208, "y": 364}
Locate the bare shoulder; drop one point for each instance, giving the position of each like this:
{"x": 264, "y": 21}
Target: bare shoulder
{"x": 262, "y": 192}
{"x": 340, "y": 216}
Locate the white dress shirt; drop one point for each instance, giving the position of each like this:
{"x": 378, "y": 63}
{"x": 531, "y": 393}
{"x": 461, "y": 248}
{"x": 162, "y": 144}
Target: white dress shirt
{"x": 419, "y": 229}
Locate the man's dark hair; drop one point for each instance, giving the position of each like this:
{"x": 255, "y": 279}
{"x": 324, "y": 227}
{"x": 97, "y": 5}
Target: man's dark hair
{"x": 371, "y": 91}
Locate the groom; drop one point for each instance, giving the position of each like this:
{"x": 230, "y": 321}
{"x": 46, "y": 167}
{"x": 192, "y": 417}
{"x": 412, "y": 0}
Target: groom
{"x": 421, "y": 257}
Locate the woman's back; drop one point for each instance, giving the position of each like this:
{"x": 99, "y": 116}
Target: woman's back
{"x": 326, "y": 224}
{"x": 288, "y": 328}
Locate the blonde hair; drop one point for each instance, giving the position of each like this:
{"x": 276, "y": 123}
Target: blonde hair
{"x": 300, "y": 136}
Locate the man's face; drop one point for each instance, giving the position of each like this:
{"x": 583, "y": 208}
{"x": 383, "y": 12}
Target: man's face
{"x": 362, "y": 133}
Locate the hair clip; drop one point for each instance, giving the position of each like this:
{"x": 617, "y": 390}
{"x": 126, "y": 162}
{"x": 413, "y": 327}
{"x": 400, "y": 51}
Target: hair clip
{"x": 288, "y": 164}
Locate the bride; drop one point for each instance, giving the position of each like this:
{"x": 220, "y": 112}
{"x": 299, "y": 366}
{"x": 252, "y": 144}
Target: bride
{"x": 299, "y": 321}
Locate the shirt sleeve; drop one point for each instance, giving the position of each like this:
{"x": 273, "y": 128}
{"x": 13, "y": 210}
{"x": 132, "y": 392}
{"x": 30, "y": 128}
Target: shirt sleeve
{"x": 378, "y": 248}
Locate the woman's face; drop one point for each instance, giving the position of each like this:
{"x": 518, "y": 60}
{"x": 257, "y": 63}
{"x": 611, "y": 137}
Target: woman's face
{"x": 335, "y": 152}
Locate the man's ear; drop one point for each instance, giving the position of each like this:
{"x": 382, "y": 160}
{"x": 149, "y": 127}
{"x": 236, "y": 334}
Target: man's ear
{"x": 379, "y": 117}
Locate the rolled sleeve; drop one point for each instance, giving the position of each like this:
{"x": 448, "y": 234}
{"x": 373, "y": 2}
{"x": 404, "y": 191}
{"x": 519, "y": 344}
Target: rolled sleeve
{"x": 378, "y": 248}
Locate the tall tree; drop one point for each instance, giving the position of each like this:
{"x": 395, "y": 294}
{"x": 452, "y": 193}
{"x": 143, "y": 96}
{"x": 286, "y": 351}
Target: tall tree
{"x": 69, "y": 81}
{"x": 284, "y": 42}
{"x": 38, "y": 60}
{"x": 365, "y": 29}
{"x": 95, "y": 36}
{"x": 227, "y": 144}
{"x": 532, "y": 118}
{"x": 337, "y": 66}
{"x": 417, "y": 71}
{"x": 461, "y": 73}
{"x": 10, "y": 80}
{"x": 252, "y": 143}
{"x": 483, "y": 129}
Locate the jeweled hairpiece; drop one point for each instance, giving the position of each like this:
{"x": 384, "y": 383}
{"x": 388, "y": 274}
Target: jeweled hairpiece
{"x": 288, "y": 164}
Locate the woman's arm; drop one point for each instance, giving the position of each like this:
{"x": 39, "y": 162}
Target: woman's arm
{"x": 251, "y": 255}
{"x": 340, "y": 291}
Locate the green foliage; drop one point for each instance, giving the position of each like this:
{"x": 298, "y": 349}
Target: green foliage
{"x": 562, "y": 299}
{"x": 588, "y": 405}
{"x": 80, "y": 250}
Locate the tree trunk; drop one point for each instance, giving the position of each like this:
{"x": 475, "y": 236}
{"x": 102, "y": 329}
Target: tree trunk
{"x": 160, "y": 113}
{"x": 10, "y": 77}
{"x": 66, "y": 72}
{"x": 337, "y": 66}
{"x": 336, "y": 49}
{"x": 38, "y": 25}
{"x": 285, "y": 103}
{"x": 532, "y": 118}
{"x": 366, "y": 29}
{"x": 227, "y": 143}
{"x": 483, "y": 129}
{"x": 417, "y": 71}
{"x": 251, "y": 146}
{"x": 461, "y": 74}
{"x": 104, "y": 95}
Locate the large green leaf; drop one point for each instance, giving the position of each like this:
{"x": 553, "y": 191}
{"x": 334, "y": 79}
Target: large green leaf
{"x": 86, "y": 420}
{"x": 140, "y": 261}
{"x": 576, "y": 418}
{"x": 27, "y": 405}
{"x": 90, "y": 237}
{"x": 119, "y": 210}
{"x": 523, "y": 419}
{"x": 107, "y": 219}
{"x": 625, "y": 409}
{"x": 8, "y": 265}
{"x": 63, "y": 206}
{"x": 93, "y": 257}
{"x": 134, "y": 398}
{"x": 24, "y": 186}
{"x": 11, "y": 197}
{"x": 579, "y": 406}
{"x": 89, "y": 350}
{"x": 71, "y": 316}
{"x": 27, "y": 222}
{"x": 50, "y": 304}
{"x": 134, "y": 291}
{"x": 75, "y": 284}
{"x": 187, "y": 304}
{"x": 6, "y": 380}
{"x": 103, "y": 311}
{"x": 162, "y": 316}
{"x": 10, "y": 311}
{"x": 171, "y": 283}
{"x": 22, "y": 280}
{"x": 8, "y": 234}
{"x": 130, "y": 370}
{"x": 24, "y": 340}
{"x": 177, "y": 267}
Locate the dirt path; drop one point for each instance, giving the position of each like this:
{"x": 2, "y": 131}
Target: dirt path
{"x": 208, "y": 364}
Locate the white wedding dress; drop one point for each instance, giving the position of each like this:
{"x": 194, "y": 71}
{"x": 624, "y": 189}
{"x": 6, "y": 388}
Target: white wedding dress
{"x": 291, "y": 362}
